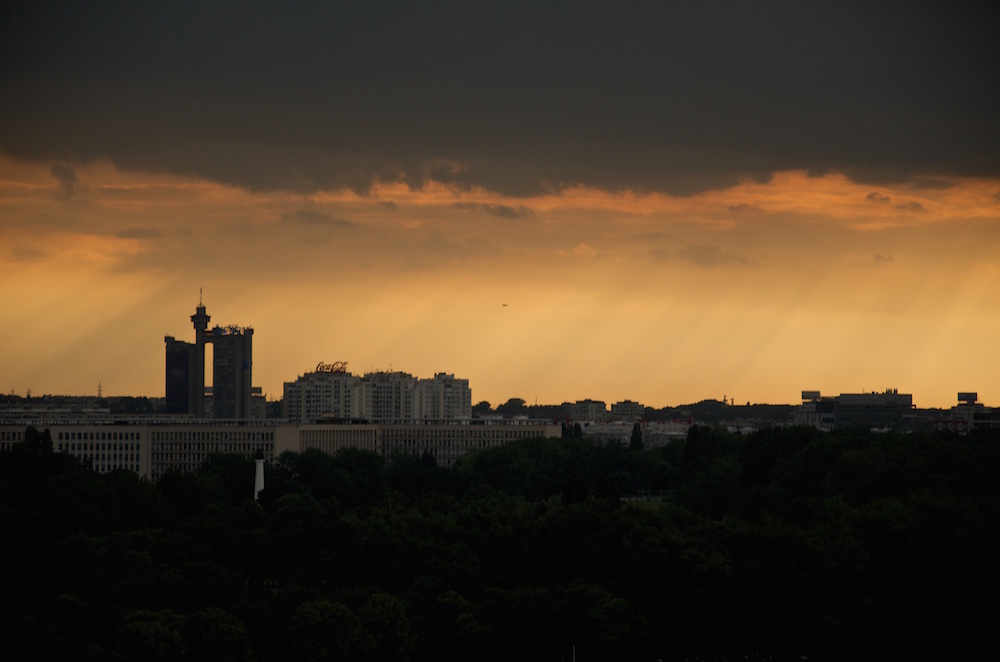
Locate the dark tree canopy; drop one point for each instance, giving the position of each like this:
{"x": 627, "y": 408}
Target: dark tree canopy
{"x": 783, "y": 544}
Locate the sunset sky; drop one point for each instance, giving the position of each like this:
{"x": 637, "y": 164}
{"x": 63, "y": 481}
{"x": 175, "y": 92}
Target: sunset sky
{"x": 662, "y": 201}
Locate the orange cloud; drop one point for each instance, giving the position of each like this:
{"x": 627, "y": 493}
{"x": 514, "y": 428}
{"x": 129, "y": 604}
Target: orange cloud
{"x": 757, "y": 291}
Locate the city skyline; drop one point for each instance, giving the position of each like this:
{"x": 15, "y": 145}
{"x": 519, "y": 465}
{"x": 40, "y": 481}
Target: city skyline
{"x": 660, "y": 203}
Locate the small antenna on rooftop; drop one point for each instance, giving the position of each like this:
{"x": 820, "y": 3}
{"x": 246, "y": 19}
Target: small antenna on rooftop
{"x": 199, "y": 296}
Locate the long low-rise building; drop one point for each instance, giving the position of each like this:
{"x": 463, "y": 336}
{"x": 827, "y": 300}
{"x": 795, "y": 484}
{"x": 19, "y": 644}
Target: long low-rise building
{"x": 445, "y": 440}
{"x": 151, "y": 447}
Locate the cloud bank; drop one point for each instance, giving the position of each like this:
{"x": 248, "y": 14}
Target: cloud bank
{"x": 517, "y": 98}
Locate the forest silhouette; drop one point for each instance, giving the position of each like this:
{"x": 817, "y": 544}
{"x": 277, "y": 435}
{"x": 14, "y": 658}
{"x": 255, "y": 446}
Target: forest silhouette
{"x": 785, "y": 543}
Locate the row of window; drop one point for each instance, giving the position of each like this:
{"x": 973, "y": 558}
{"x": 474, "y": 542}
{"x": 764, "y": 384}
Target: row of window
{"x": 175, "y": 458}
{"x": 215, "y": 436}
{"x": 202, "y": 449}
{"x": 354, "y": 438}
{"x": 94, "y": 447}
{"x": 460, "y": 432}
{"x": 91, "y": 435}
{"x": 331, "y": 446}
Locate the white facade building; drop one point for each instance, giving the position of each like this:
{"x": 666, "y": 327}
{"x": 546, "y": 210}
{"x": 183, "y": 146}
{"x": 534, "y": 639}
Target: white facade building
{"x": 386, "y": 396}
{"x": 443, "y": 397}
{"x": 317, "y": 394}
{"x": 150, "y": 447}
{"x": 377, "y": 396}
{"x": 446, "y": 441}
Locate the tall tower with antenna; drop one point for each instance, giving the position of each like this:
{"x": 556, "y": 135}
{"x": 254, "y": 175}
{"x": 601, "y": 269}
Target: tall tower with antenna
{"x": 185, "y": 393}
{"x": 196, "y": 396}
{"x": 232, "y": 370}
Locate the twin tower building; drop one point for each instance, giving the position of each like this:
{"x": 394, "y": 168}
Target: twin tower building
{"x": 231, "y": 395}
{"x": 329, "y": 393}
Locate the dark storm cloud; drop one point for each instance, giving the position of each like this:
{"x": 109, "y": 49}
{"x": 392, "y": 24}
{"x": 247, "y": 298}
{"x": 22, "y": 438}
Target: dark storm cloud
{"x": 877, "y": 198}
{"x": 517, "y": 97}
{"x": 931, "y": 184}
{"x": 68, "y": 181}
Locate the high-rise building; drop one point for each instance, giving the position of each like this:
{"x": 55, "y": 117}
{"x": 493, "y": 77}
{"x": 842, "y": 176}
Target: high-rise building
{"x": 200, "y": 321}
{"x": 385, "y": 396}
{"x": 181, "y": 394}
{"x": 443, "y": 397}
{"x": 232, "y": 369}
{"x": 333, "y": 393}
{"x": 324, "y": 393}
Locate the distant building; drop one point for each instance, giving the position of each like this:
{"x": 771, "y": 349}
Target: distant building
{"x": 258, "y": 403}
{"x": 200, "y": 321}
{"x": 386, "y": 396}
{"x": 181, "y": 392}
{"x": 587, "y": 410}
{"x": 603, "y": 433}
{"x": 11, "y": 435}
{"x": 874, "y": 411}
{"x": 889, "y": 410}
{"x": 325, "y": 392}
{"x": 661, "y": 433}
{"x": 232, "y": 371}
{"x": 330, "y": 392}
{"x": 968, "y": 414}
{"x": 816, "y": 411}
{"x": 445, "y": 441}
{"x": 627, "y": 410}
{"x": 152, "y": 446}
{"x": 654, "y": 434}
{"x": 443, "y": 398}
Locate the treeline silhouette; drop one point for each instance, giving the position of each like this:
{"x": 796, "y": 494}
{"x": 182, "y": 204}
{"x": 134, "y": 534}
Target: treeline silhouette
{"x": 706, "y": 411}
{"x": 778, "y": 545}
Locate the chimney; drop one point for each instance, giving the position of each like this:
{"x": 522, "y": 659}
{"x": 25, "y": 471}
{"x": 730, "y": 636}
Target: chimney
{"x": 258, "y": 481}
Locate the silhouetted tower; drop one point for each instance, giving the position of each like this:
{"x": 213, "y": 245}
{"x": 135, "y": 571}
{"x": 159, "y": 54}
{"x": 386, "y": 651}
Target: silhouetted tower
{"x": 180, "y": 358}
{"x": 232, "y": 366}
{"x": 196, "y": 398}
{"x": 185, "y": 386}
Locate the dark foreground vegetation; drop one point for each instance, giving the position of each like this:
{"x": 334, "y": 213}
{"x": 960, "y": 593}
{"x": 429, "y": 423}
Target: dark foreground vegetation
{"x": 786, "y": 543}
